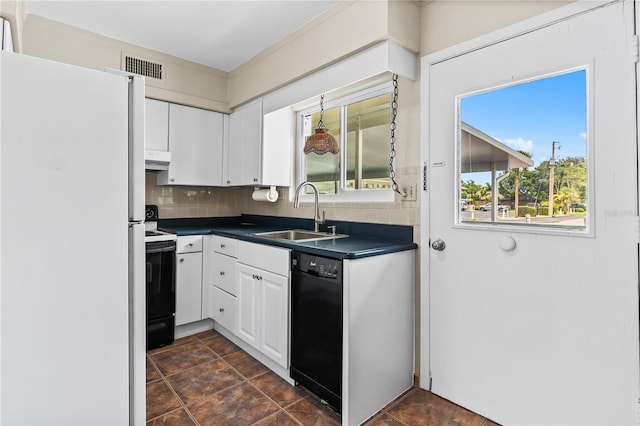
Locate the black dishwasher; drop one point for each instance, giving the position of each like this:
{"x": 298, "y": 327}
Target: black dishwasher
{"x": 316, "y": 326}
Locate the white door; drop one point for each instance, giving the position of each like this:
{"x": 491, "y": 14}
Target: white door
{"x": 534, "y": 323}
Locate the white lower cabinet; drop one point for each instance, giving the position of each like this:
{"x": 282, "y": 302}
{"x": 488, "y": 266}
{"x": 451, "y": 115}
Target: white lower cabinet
{"x": 188, "y": 279}
{"x": 188, "y": 287}
{"x": 263, "y": 299}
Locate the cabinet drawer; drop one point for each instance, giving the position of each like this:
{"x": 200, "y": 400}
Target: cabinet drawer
{"x": 268, "y": 258}
{"x": 224, "y": 245}
{"x": 224, "y": 309}
{"x": 189, "y": 244}
{"x": 224, "y": 273}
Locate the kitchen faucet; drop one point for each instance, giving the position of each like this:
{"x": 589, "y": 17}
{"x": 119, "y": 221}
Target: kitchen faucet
{"x": 316, "y": 215}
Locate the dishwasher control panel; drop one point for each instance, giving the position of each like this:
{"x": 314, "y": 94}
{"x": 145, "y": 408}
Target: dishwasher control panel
{"x": 317, "y": 265}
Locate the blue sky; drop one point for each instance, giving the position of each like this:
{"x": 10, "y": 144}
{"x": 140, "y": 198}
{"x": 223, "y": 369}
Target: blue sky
{"x": 529, "y": 116}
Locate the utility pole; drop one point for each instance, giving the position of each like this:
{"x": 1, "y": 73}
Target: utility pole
{"x": 552, "y": 166}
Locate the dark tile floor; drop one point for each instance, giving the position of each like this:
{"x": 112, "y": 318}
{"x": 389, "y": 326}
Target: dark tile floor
{"x": 207, "y": 380}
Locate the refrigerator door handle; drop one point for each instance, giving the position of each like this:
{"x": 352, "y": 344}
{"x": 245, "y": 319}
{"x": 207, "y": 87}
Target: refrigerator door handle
{"x": 136, "y": 148}
{"x": 136, "y": 144}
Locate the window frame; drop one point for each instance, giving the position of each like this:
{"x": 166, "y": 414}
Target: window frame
{"x": 344, "y": 194}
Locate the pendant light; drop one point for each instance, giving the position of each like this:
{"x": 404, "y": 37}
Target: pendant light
{"x": 321, "y": 141}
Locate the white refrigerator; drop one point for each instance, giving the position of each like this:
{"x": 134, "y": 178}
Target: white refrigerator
{"x": 72, "y": 297}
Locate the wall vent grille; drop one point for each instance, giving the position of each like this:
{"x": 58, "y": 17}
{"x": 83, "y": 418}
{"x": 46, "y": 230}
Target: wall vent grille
{"x": 142, "y": 67}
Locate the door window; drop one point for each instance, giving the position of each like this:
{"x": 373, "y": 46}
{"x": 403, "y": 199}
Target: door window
{"x": 523, "y": 154}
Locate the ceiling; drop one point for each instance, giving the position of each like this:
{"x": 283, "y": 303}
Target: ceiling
{"x": 218, "y": 33}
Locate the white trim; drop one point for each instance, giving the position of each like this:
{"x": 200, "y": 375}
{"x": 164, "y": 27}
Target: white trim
{"x": 494, "y": 37}
{"x": 384, "y": 57}
{"x": 356, "y": 196}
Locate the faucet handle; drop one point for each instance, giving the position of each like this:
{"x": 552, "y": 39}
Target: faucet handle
{"x": 332, "y": 228}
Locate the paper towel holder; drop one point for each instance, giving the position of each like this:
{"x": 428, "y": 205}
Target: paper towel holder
{"x": 270, "y": 194}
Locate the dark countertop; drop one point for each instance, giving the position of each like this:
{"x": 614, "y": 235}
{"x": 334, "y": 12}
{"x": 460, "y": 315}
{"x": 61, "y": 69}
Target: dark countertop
{"x": 364, "y": 240}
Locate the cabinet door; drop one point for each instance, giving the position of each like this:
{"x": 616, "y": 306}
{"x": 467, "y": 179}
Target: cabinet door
{"x": 252, "y": 151}
{"x": 224, "y": 309}
{"x": 188, "y": 288}
{"x": 247, "y": 299}
{"x": 244, "y": 147}
{"x": 273, "y": 325}
{"x": 156, "y": 125}
{"x": 234, "y": 150}
{"x": 276, "y": 163}
{"x": 195, "y": 142}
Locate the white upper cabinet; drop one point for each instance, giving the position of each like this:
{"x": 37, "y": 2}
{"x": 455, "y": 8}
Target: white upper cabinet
{"x": 156, "y": 125}
{"x": 244, "y": 146}
{"x": 156, "y": 135}
{"x": 258, "y": 150}
{"x": 196, "y": 143}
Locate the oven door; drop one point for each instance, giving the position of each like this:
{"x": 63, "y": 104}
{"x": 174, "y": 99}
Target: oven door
{"x": 160, "y": 278}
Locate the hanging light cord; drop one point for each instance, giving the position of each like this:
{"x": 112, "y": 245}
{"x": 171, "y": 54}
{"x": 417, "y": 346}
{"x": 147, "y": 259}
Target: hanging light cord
{"x": 392, "y": 140}
{"x": 320, "y": 122}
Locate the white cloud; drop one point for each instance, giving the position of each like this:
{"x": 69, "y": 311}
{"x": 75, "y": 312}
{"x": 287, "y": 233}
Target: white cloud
{"x": 583, "y": 135}
{"x": 519, "y": 144}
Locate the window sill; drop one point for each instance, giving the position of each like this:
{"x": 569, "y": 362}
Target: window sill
{"x": 367, "y": 196}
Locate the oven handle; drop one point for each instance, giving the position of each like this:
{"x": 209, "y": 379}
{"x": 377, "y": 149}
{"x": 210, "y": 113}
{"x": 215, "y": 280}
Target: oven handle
{"x": 161, "y": 249}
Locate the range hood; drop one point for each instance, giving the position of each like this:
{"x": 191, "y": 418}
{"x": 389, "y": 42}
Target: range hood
{"x": 157, "y": 160}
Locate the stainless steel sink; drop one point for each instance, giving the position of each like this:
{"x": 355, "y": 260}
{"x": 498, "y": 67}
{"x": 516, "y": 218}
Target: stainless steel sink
{"x": 298, "y": 235}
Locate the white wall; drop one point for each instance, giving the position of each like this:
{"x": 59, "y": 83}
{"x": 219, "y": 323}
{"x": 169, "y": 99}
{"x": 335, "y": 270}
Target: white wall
{"x": 183, "y": 82}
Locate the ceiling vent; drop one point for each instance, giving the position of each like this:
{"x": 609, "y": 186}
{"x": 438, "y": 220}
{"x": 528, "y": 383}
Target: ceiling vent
{"x": 142, "y": 67}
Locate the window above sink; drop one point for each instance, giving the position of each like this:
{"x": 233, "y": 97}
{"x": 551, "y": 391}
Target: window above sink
{"x": 360, "y": 170}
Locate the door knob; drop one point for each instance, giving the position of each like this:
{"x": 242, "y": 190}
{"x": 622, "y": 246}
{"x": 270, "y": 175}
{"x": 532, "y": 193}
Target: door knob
{"x": 438, "y": 245}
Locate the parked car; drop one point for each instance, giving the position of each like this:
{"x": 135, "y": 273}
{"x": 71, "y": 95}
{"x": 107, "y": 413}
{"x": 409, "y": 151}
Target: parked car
{"x": 463, "y": 205}
{"x": 489, "y": 207}
{"x": 578, "y": 206}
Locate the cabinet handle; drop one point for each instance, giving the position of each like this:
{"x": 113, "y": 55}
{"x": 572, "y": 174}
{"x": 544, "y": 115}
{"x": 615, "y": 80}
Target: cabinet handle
{"x": 221, "y": 272}
{"x": 181, "y": 260}
{"x": 190, "y": 244}
{"x": 255, "y": 179}
{"x": 221, "y": 309}
{"x": 222, "y": 246}
{"x": 172, "y": 179}
{"x": 228, "y": 182}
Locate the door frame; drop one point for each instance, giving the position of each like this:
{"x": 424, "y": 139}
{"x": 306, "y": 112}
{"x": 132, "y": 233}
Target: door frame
{"x": 529, "y": 25}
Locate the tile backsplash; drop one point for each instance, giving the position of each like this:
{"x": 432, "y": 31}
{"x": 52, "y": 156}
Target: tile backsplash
{"x": 197, "y": 201}
{"x": 191, "y": 201}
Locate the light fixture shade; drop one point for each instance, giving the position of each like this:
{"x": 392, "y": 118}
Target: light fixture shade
{"x": 321, "y": 142}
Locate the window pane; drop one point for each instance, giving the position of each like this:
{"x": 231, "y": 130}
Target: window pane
{"x": 323, "y": 169}
{"x": 523, "y": 154}
{"x": 368, "y": 143}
